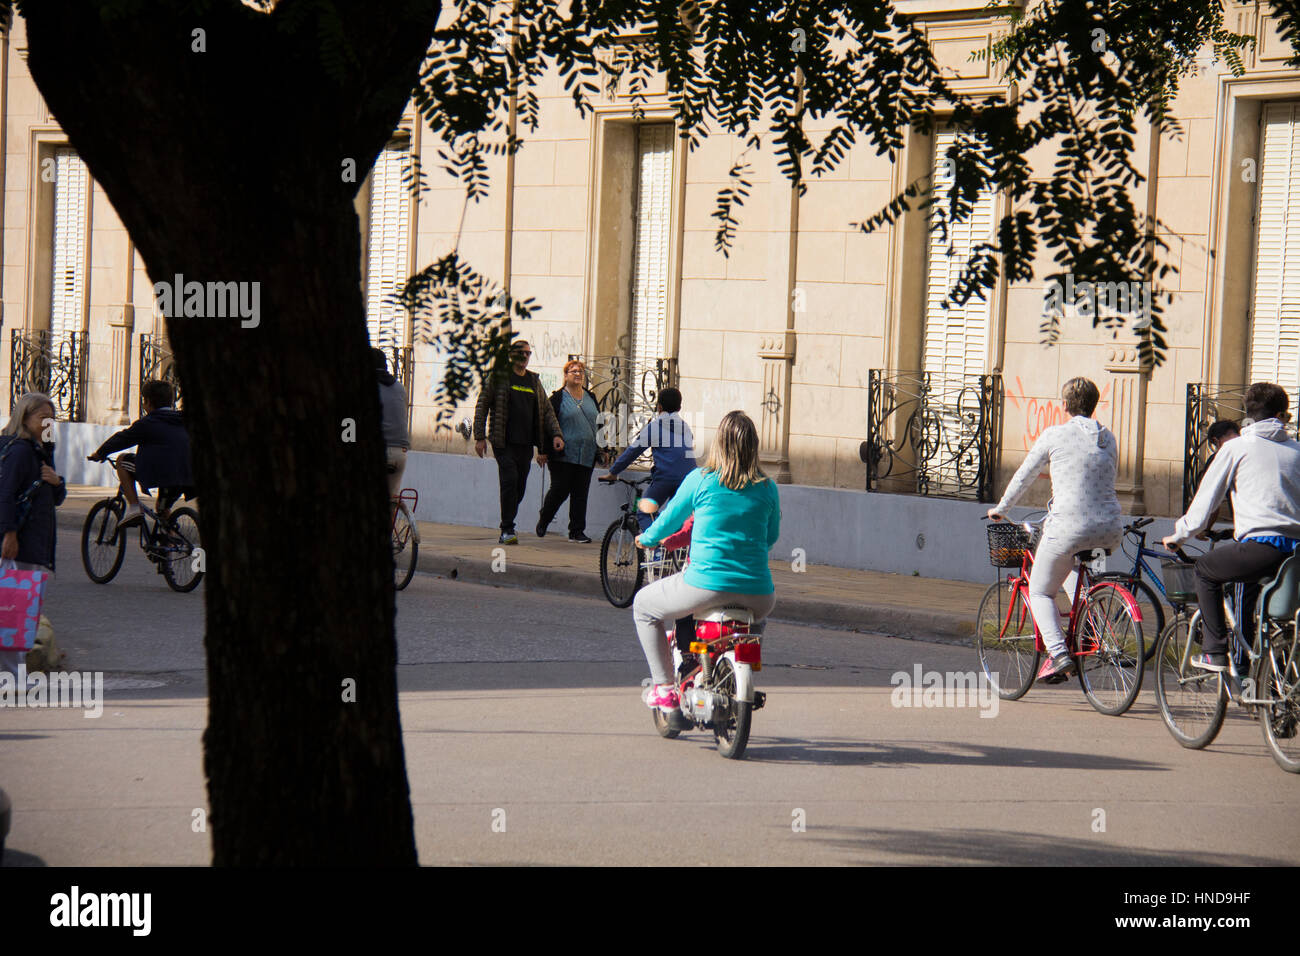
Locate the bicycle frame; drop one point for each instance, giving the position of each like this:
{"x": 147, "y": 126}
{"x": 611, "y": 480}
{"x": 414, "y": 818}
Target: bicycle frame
{"x": 1084, "y": 587}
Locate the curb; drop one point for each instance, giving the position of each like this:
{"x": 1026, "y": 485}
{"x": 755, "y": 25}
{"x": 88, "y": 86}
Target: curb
{"x": 908, "y": 623}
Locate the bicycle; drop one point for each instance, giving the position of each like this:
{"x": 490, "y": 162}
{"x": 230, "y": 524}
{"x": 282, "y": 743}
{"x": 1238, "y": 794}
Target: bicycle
{"x": 1135, "y": 579}
{"x": 405, "y": 537}
{"x": 1194, "y": 702}
{"x": 624, "y": 567}
{"x": 1104, "y": 631}
{"x": 170, "y": 540}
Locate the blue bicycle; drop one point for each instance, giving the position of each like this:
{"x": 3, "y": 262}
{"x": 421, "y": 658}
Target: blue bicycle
{"x": 1151, "y": 601}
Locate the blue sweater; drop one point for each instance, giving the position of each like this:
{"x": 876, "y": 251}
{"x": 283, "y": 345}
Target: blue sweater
{"x": 732, "y": 534}
{"x": 672, "y": 443}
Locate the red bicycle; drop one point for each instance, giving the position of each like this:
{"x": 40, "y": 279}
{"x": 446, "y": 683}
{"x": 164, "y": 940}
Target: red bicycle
{"x": 1104, "y": 633}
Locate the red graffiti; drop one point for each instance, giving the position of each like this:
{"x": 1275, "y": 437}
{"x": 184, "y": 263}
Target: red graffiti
{"x": 1042, "y": 413}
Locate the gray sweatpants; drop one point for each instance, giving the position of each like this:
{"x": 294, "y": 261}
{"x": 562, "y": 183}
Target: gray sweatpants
{"x": 671, "y": 598}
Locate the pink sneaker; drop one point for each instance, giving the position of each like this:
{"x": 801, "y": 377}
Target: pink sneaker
{"x": 1056, "y": 669}
{"x": 663, "y": 696}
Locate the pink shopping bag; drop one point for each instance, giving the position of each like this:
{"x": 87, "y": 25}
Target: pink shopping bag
{"x": 21, "y": 596}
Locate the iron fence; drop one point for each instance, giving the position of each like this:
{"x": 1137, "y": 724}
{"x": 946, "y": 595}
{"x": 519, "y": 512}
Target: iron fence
{"x": 626, "y": 392}
{"x": 932, "y": 434}
{"x": 1207, "y": 404}
{"x": 42, "y": 361}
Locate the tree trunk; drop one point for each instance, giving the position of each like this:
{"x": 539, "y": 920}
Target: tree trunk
{"x": 227, "y": 166}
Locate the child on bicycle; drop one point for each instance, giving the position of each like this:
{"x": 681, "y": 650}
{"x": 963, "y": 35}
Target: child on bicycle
{"x": 672, "y": 446}
{"x": 163, "y": 457}
{"x": 737, "y": 520}
{"x": 1084, "y": 511}
{"x": 1260, "y": 472}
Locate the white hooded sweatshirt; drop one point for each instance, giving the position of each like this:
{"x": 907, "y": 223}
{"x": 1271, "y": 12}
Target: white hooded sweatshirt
{"x": 1261, "y": 469}
{"x": 1083, "y": 457}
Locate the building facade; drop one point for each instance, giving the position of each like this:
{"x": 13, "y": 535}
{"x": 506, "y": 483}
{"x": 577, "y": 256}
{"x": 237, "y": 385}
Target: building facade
{"x": 834, "y": 340}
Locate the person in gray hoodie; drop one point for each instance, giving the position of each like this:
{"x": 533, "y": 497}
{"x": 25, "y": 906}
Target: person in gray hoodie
{"x": 1260, "y": 471}
{"x": 1084, "y": 511}
{"x": 392, "y": 420}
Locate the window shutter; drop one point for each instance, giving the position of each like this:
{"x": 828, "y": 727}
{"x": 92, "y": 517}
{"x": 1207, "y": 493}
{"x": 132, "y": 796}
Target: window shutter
{"x": 651, "y": 244}
{"x": 68, "y": 281}
{"x": 1275, "y": 329}
{"x": 955, "y": 340}
{"x": 386, "y": 269}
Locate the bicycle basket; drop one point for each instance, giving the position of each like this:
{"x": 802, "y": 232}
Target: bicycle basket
{"x": 1180, "y": 580}
{"x": 1008, "y": 543}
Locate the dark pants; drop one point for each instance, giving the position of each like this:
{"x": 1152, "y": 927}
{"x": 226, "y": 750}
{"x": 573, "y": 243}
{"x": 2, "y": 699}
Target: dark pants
{"x": 568, "y": 481}
{"x": 512, "y": 471}
{"x": 1248, "y": 562}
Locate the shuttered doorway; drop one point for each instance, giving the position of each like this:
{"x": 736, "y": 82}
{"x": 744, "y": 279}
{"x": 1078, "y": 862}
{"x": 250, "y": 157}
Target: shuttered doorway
{"x": 651, "y": 246}
{"x": 388, "y": 248}
{"x": 71, "y": 209}
{"x": 1275, "y": 325}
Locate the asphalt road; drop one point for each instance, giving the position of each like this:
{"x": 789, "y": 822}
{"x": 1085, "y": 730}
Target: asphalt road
{"x": 527, "y": 743}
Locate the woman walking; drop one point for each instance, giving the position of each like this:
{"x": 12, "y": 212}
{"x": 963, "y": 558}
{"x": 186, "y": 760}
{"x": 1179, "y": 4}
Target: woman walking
{"x": 575, "y": 407}
{"x": 30, "y": 490}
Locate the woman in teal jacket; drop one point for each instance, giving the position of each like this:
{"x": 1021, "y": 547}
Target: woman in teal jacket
{"x": 737, "y": 520}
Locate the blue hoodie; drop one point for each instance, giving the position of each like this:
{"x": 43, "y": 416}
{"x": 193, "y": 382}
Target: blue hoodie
{"x": 670, "y": 440}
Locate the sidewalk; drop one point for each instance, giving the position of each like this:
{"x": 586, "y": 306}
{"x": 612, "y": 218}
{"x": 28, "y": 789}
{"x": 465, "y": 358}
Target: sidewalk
{"x": 871, "y": 601}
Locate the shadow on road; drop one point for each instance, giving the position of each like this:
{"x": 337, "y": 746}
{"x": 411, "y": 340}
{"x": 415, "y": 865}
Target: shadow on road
{"x": 967, "y": 847}
{"x": 840, "y": 751}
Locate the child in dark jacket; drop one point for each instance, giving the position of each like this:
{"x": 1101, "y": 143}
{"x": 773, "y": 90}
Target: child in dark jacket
{"x": 162, "y": 460}
{"x": 669, "y": 439}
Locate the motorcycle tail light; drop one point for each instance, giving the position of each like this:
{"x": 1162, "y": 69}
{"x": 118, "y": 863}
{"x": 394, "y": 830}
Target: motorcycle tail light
{"x": 749, "y": 653}
{"x": 712, "y": 630}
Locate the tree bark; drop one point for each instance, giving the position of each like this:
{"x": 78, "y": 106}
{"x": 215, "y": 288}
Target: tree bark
{"x": 227, "y": 166}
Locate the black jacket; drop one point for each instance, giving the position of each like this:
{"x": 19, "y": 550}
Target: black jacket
{"x": 163, "y": 457}
{"x": 20, "y": 467}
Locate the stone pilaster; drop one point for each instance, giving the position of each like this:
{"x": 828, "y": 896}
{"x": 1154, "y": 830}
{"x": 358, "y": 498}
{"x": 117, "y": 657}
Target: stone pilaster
{"x": 1128, "y": 420}
{"x": 121, "y": 325}
{"x": 776, "y": 352}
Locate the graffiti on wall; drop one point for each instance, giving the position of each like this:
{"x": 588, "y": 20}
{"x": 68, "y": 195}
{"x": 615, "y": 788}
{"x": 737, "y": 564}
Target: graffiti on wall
{"x": 1042, "y": 413}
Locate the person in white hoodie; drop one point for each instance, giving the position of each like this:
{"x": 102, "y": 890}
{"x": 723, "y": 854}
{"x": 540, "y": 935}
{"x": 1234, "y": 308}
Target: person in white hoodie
{"x": 1084, "y": 511}
{"x": 1261, "y": 472}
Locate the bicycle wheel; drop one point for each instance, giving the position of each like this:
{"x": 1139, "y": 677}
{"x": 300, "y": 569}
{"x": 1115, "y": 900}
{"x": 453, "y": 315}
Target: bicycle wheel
{"x": 1110, "y": 658}
{"x": 180, "y": 536}
{"x": 1149, "y": 603}
{"x": 1279, "y": 683}
{"x": 621, "y": 573}
{"x": 102, "y": 547}
{"x": 1007, "y": 649}
{"x": 406, "y": 547}
{"x": 1192, "y": 702}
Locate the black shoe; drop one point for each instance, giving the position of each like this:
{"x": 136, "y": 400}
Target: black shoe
{"x": 679, "y": 721}
{"x": 579, "y": 539}
{"x": 508, "y": 537}
{"x": 541, "y": 528}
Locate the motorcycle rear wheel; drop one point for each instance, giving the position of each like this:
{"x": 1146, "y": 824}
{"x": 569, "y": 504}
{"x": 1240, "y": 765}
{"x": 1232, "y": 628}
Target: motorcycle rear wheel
{"x": 732, "y": 734}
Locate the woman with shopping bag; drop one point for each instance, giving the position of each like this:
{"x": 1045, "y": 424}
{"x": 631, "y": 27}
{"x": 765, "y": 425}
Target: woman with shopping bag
{"x": 30, "y": 490}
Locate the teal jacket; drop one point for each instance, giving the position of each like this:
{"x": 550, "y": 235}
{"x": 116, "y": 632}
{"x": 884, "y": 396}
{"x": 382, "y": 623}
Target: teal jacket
{"x": 733, "y": 532}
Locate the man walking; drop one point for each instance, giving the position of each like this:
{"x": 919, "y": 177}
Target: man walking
{"x": 514, "y": 415}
